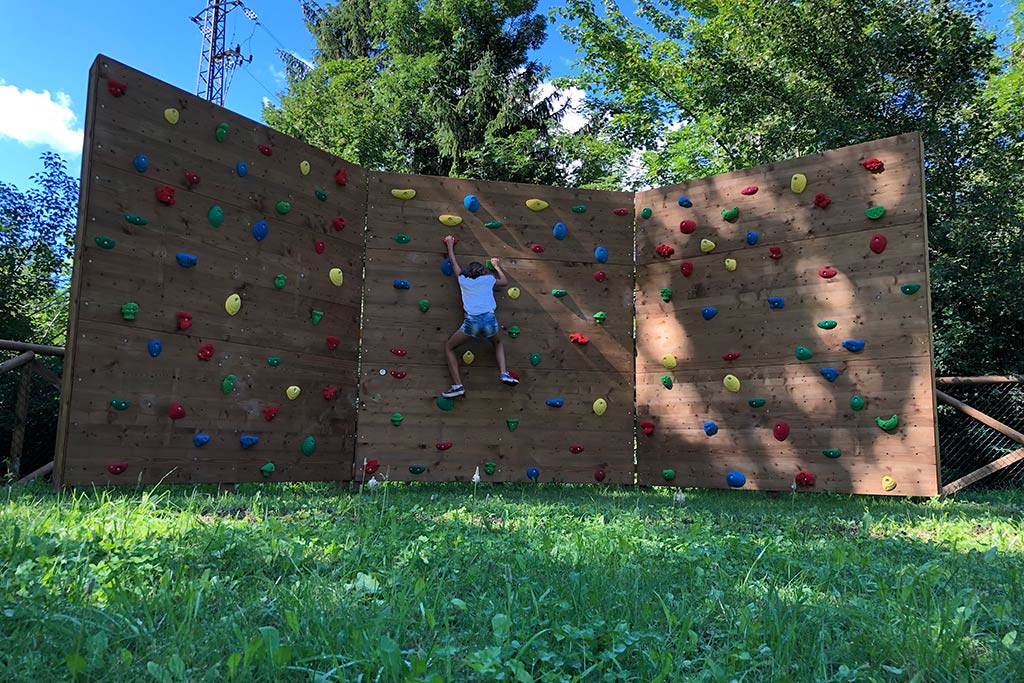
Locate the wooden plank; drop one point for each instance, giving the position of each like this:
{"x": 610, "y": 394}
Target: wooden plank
{"x": 982, "y": 472}
{"x": 981, "y": 417}
{"x": 985, "y": 379}
{"x": 41, "y": 472}
{"x": 40, "y": 349}
{"x": 20, "y": 418}
{"x": 47, "y": 374}
{"x": 17, "y": 361}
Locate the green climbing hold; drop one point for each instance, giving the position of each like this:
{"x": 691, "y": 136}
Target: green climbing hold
{"x": 668, "y": 475}
{"x": 215, "y": 215}
{"x": 283, "y": 207}
{"x": 666, "y": 381}
{"x": 827, "y": 324}
{"x": 875, "y": 212}
{"x": 316, "y": 316}
{"x": 228, "y": 385}
{"x": 445, "y": 404}
{"x": 512, "y": 424}
{"x": 490, "y": 266}
{"x": 831, "y": 452}
{"x": 756, "y": 402}
{"x": 321, "y": 195}
{"x": 135, "y": 219}
{"x": 280, "y": 280}
{"x": 513, "y": 331}
{"x": 857, "y": 403}
{"x": 490, "y": 467}
{"x": 396, "y": 419}
{"x": 221, "y": 132}
{"x": 534, "y": 359}
{"x": 732, "y": 214}
{"x": 268, "y": 469}
{"x": 666, "y": 294}
{"x": 646, "y": 213}
{"x": 579, "y": 208}
{"x": 105, "y": 243}
{"x": 417, "y": 469}
{"x": 600, "y": 317}
{"x": 274, "y": 361}
{"x": 493, "y": 225}
{"x": 120, "y": 404}
{"x": 402, "y": 238}
{"x": 888, "y": 425}
{"x": 308, "y": 445}
{"x": 909, "y": 289}
{"x": 424, "y": 305}
{"x": 803, "y": 353}
{"x": 558, "y": 293}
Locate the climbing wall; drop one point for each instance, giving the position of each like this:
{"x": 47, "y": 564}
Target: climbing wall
{"x": 215, "y": 299}
{"x": 570, "y": 264}
{"x": 783, "y": 328}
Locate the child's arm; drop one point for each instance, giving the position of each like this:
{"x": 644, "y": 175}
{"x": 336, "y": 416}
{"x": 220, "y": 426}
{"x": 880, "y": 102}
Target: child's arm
{"x": 501, "y": 280}
{"x": 450, "y": 241}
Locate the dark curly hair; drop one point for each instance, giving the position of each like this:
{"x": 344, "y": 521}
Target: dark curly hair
{"x": 474, "y": 270}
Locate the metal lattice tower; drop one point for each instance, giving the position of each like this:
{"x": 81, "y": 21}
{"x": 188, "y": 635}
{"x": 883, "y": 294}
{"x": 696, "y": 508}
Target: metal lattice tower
{"x": 217, "y": 64}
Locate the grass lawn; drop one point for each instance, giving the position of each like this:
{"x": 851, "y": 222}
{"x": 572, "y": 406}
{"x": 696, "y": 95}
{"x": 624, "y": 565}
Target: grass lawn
{"x": 431, "y": 582}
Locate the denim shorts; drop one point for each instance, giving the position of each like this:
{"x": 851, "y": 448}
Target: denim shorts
{"x": 482, "y": 326}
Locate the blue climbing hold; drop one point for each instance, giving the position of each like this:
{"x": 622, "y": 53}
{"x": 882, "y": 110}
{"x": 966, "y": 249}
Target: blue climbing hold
{"x": 241, "y": 168}
{"x": 471, "y": 203}
{"x": 830, "y": 374}
{"x": 685, "y": 202}
{"x": 776, "y": 302}
{"x": 402, "y": 284}
{"x": 709, "y": 312}
{"x": 141, "y": 163}
{"x": 555, "y": 402}
{"x": 446, "y": 267}
{"x": 735, "y": 479}
{"x": 155, "y": 347}
{"x": 186, "y": 260}
{"x": 601, "y": 255}
{"x": 260, "y": 230}
{"x": 853, "y": 345}
{"x": 560, "y": 231}
{"x": 201, "y": 440}
{"x": 532, "y": 473}
{"x": 710, "y": 428}
{"x": 249, "y": 441}
{"x": 751, "y": 238}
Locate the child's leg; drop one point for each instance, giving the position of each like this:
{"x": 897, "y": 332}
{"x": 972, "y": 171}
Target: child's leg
{"x": 454, "y": 342}
{"x": 499, "y": 352}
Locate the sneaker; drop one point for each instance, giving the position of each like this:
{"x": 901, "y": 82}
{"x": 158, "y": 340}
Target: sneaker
{"x": 456, "y": 390}
{"x": 507, "y": 378}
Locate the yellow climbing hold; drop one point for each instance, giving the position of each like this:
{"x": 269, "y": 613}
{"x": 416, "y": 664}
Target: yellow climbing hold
{"x": 304, "y": 167}
{"x": 171, "y": 114}
{"x": 513, "y": 292}
{"x": 707, "y": 246}
{"x": 293, "y": 392}
{"x": 798, "y": 183}
{"x": 730, "y": 264}
{"x": 536, "y": 204}
{"x": 450, "y": 220}
{"x": 668, "y": 360}
{"x": 337, "y": 277}
{"x": 403, "y": 194}
{"x": 888, "y": 483}
{"x": 600, "y": 405}
{"x": 732, "y": 383}
{"x": 233, "y": 304}
{"x": 468, "y": 358}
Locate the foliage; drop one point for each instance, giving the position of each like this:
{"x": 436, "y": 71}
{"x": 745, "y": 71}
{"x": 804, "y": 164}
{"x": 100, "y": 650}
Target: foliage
{"x": 522, "y": 583}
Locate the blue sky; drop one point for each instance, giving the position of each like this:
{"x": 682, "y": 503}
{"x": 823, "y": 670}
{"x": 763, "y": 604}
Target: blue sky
{"x": 48, "y": 47}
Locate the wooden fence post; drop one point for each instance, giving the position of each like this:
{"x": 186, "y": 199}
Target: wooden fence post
{"x": 20, "y": 418}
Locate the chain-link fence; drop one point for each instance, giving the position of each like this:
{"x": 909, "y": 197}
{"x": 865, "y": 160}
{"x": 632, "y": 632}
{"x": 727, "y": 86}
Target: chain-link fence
{"x": 966, "y": 444}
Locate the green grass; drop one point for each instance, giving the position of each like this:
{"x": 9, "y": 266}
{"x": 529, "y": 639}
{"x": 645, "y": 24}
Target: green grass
{"x": 514, "y": 583}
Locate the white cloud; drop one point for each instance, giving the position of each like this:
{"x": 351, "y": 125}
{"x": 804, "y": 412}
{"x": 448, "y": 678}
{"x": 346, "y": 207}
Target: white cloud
{"x": 569, "y": 98}
{"x": 39, "y": 118}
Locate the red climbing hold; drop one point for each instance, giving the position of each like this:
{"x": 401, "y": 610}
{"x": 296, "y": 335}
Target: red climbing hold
{"x": 270, "y": 413}
{"x": 878, "y": 243}
{"x": 620, "y": 212}
{"x": 371, "y": 466}
{"x": 828, "y": 273}
{"x": 804, "y": 478}
{"x": 117, "y": 467}
{"x": 176, "y": 411}
{"x": 454, "y": 244}
{"x": 687, "y": 226}
{"x": 117, "y": 89}
{"x": 330, "y": 393}
{"x": 265, "y": 150}
{"x": 821, "y": 200}
{"x": 664, "y": 250}
{"x": 647, "y": 428}
{"x": 205, "y": 351}
{"x": 873, "y": 164}
{"x": 332, "y": 343}
{"x": 578, "y": 338}
{"x": 398, "y": 374}
{"x": 319, "y": 246}
{"x": 341, "y": 177}
{"x": 339, "y": 223}
{"x": 686, "y": 268}
{"x": 184, "y": 320}
{"x": 398, "y": 352}
{"x": 165, "y": 195}
{"x": 730, "y": 356}
{"x": 780, "y": 430}
{"x": 600, "y": 276}
{"x": 599, "y": 474}
{"x": 191, "y": 179}
{"x": 537, "y": 248}
{"x": 749, "y": 190}
{"x": 443, "y": 445}
{"x": 775, "y": 253}
{"x": 576, "y": 448}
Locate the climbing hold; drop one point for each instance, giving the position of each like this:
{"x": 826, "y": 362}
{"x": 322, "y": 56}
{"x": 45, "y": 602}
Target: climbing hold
{"x": 329, "y": 393}
{"x": 664, "y": 250}
{"x": 776, "y": 302}
{"x": 513, "y": 292}
{"x": 532, "y": 473}
{"x": 666, "y": 381}
{"x": 443, "y": 445}
{"x": 756, "y": 402}
{"x": 341, "y": 177}
{"x": 732, "y": 355}
{"x": 831, "y": 452}
{"x": 270, "y": 413}
{"x": 273, "y": 361}
{"x": 449, "y": 220}
{"x": 398, "y": 352}
{"x": 828, "y": 273}
{"x": 468, "y": 357}
{"x": 396, "y": 419}
{"x": 600, "y": 275}
{"x": 647, "y": 427}
{"x": 827, "y": 324}
{"x": 830, "y": 374}
{"x": 873, "y": 164}
{"x": 888, "y": 425}
{"x": 878, "y": 243}
{"x": 822, "y": 200}
{"x": 471, "y": 203}
{"x": 513, "y": 331}
{"x": 265, "y": 150}
{"x": 308, "y": 445}
{"x": 686, "y": 268}
{"x": 537, "y": 248}
{"x": 176, "y": 411}
{"x": 888, "y": 483}
{"x": 233, "y": 304}
{"x": 875, "y": 212}
{"x": 228, "y": 385}
{"x": 599, "y": 474}
{"x": 320, "y": 194}
{"x": 171, "y": 115}
{"x": 403, "y": 194}
{"x": 490, "y": 467}
{"x": 332, "y": 342}
{"x": 576, "y": 449}
{"x": 447, "y": 268}
{"x": 117, "y": 467}
{"x": 558, "y": 293}
{"x": 666, "y": 294}
{"x": 685, "y": 202}
{"x": 292, "y": 392}
{"x": 165, "y": 195}
{"x": 512, "y": 424}
{"x": 749, "y": 190}
{"x": 668, "y": 475}
{"x": 279, "y": 281}
{"x": 402, "y": 238}
{"x": 620, "y": 212}
{"x": 445, "y": 404}
{"x": 141, "y": 163}
{"x": 646, "y": 213}
{"x": 856, "y": 402}
{"x": 600, "y": 406}
{"x": 260, "y": 230}
{"x": 804, "y": 478}
{"x": 669, "y": 361}
{"x": 555, "y": 402}
{"x": 735, "y": 479}
{"x": 731, "y": 383}
{"x": 600, "y": 317}
{"x": 116, "y": 88}
{"x": 798, "y": 182}
{"x": 730, "y": 264}
{"x": 184, "y": 320}
{"x": 371, "y": 466}
{"x": 774, "y": 253}
{"x": 752, "y": 238}
{"x": 316, "y": 316}
{"x": 536, "y": 204}
{"x": 707, "y": 246}
{"x": 215, "y": 215}
{"x": 318, "y": 246}
{"x": 336, "y": 277}
{"x": 135, "y": 219}
{"x": 709, "y": 312}
{"x": 267, "y": 469}
{"x": 577, "y": 338}
{"x": 304, "y": 167}
{"x": 401, "y": 284}
{"x": 854, "y": 345}
{"x": 559, "y": 231}
{"x": 601, "y": 255}
{"x": 242, "y": 169}
{"x": 191, "y": 179}
{"x": 129, "y": 310}
{"x": 339, "y": 223}
{"x": 424, "y": 305}
{"x": 417, "y": 469}
{"x": 200, "y": 440}
{"x": 909, "y": 289}
{"x": 154, "y": 347}
{"x": 732, "y": 214}
{"x": 803, "y": 353}
{"x": 398, "y": 374}
{"x": 186, "y": 260}
{"x": 710, "y": 428}
{"x": 687, "y": 226}
{"x": 493, "y": 225}
{"x": 119, "y": 404}
{"x": 283, "y": 207}
{"x": 780, "y": 431}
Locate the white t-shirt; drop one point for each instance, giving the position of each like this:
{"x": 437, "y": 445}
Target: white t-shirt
{"x": 478, "y": 294}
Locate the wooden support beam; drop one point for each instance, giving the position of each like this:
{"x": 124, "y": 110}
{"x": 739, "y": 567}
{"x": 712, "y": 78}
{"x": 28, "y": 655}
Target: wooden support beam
{"x": 41, "y": 349}
{"x": 47, "y": 374}
{"x": 45, "y": 469}
{"x": 982, "y": 472}
{"x": 17, "y": 361}
{"x": 20, "y": 418}
{"x": 986, "y": 379}
{"x": 981, "y": 417}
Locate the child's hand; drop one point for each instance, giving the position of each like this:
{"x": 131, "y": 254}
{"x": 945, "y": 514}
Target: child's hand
{"x": 449, "y": 240}
{"x": 495, "y": 261}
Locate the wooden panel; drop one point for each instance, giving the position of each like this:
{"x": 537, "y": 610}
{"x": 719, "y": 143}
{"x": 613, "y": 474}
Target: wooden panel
{"x": 110, "y": 357}
{"x": 893, "y": 372}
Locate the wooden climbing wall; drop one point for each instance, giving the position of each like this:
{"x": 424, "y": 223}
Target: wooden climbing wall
{"x": 477, "y": 426}
{"x": 108, "y": 357}
{"x": 892, "y": 374}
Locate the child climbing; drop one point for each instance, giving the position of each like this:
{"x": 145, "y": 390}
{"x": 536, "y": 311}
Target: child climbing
{"x": 480, "y": 323}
